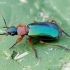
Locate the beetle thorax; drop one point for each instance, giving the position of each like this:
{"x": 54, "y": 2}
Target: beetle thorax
{"x": 22, "y": 30}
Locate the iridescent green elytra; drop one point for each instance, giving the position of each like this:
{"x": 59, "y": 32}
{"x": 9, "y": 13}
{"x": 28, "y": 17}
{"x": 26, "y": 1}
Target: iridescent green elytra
{"x": 44, "y": 29}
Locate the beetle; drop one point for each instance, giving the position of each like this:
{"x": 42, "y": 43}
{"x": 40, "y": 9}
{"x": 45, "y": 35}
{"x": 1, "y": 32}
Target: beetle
{"x": 41, "y": 31}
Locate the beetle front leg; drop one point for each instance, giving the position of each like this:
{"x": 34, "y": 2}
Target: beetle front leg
{"x": 29, "y": 40}
{"x": 42, "y": 42}
{"x": 18, "y": 40}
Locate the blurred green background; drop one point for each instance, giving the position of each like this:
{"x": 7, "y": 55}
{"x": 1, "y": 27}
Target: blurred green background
{"x": 26, "y": 11}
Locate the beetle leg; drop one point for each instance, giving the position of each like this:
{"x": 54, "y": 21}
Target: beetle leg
{"x": 29, "y": 40}
{"x": 59, "y": 27}
{"x": 65, "y": 33}
{"x": 18, "y": 40}
{"x": 54, "y": 45}
{"x": 34, "y": 21}
{"x": 52, "y": 21}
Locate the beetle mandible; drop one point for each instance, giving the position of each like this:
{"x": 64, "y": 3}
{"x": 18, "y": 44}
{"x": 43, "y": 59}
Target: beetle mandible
{"x": 43, "y": 31}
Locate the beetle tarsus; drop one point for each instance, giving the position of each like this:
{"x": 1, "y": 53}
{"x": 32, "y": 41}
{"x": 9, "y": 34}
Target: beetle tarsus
{"x": 36, "y": 53}
{"x": 12, "y": 45}
{"x": 63, "y": 47}
{"x": 18, "y": 40}
{"x": 65, "y": 33}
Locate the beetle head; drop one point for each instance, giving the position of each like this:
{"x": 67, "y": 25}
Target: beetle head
{"x": 11, "y": 31}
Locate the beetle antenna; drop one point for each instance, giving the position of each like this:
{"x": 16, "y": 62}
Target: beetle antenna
{"x": 4, "y": 20}
{"x": 3, "y": 34}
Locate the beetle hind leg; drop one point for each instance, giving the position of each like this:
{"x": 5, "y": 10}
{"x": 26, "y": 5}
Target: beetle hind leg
{"x": 65, "y": 48}
{"x": 59, "y": 27}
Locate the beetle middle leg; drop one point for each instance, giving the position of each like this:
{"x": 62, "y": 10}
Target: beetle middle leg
{"x": 52, "y": 21}
{"x": 42, "y": 42}
{"x": 34, "y": 21}
{"x": 29, "y": 40}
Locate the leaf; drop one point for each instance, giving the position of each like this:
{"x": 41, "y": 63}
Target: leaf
{"x": 26, "y": 11}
